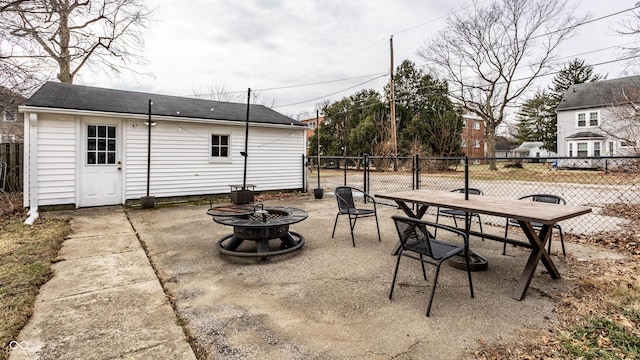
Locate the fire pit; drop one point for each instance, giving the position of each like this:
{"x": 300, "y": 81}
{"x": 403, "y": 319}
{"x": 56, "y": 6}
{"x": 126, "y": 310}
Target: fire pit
{"x": 260, "y": 224}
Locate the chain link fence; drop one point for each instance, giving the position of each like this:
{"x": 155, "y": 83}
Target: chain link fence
{"x": 598, "y": 183}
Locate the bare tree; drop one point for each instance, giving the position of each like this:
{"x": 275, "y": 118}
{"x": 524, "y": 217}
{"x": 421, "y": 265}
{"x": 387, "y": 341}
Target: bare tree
{"x": 622, "y": 121}
{"x": 491, "y": 55}
{"x": 629, "y": 27}
{"x": 71, "y": 35}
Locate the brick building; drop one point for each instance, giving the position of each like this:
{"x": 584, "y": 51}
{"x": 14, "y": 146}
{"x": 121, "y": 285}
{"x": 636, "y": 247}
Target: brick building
{"x": 472, "y": 136}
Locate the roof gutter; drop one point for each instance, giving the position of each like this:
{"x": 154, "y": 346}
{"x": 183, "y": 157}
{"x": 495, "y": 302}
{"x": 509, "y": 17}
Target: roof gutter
{"x": 143, "y": 117}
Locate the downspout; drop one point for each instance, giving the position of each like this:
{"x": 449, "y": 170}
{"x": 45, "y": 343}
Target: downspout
{"x": 31, "y": 168}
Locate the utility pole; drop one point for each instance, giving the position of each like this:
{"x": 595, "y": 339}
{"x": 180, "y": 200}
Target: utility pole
{"x": 392, "y": 104}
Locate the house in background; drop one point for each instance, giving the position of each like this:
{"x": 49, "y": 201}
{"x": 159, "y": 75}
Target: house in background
{"x": 87, "y": 146}
{"x": 504, "y": 147}
{"x": 11, "y": 121}
{"x": 599, "y": 119}
{"x": 312, "y": 124}
{"x": 531, "y": 149}
{"x": 472, "y": 137}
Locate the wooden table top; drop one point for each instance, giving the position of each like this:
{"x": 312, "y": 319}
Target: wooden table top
{"x": 525, "y": 210}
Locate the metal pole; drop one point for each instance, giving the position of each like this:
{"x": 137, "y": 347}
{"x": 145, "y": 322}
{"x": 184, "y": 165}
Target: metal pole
{"x": 149, "y": 147}
{"x": 346, "y": 141}
{"x": 466, "y": 178}
{"x": 318, "y": 143}
{"x": 246, "y": 142}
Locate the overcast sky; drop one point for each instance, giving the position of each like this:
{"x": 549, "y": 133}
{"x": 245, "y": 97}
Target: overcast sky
{"x": 275, "y": 46}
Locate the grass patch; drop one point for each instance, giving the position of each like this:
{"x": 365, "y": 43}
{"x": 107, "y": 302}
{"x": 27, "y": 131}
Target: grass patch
{"x": 26, "y": 255}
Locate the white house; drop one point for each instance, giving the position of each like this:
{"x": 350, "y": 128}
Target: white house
{"x": 87, "y": 146}
{"x": 599, "y": 119}
{"x": 531, "y": 149}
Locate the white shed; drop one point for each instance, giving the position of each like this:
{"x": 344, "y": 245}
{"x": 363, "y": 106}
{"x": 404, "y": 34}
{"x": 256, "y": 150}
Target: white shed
{"x": 87, "y": 146}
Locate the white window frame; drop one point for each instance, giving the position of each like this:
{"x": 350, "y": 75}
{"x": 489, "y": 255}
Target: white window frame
{"x": 587, "y": 119}
{"x": 585, "y": 150}
{"x": 597, "y": 146}
{"x": 463, "y": 143}
{"x": 220, "y": 159}
{"x": 570, "y": 149}
{"x": 476, "y": 144}
{"x": 476, "y": 125}
{"x": 611, "y": 148}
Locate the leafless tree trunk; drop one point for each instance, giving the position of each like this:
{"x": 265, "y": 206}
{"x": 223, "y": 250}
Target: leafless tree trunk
{"x": 72, "y": 35}
{"x": 491, "y": 55}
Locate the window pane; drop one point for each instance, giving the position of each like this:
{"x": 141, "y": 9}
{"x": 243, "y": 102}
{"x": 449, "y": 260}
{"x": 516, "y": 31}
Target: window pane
{"x": 112, "y": 132}
{"x": 224, "y": 140}
{"x": 102, "y": 158}
{"x": 91, "y": 158}
{"x": 91, "y": 144}
{"x": 224, "y": 152}
{"x": 111, "y": 145}
{"x": 91, "y": 131}
{"x": 215, "y": 140}
{"x": 215, "y": 151}
{"x": 111, "y": 157}
{"x": 102, "y": 144}
{"x": 102, "y": 131}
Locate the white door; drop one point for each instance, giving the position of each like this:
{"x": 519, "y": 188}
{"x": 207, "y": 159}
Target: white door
{"x": 100, "y": 180}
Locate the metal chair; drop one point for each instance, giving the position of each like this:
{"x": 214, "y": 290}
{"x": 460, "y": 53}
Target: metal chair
{"x": 416, "y": 242}
{"x": 459, "y": 213}
{"x": 346, "y": 206}
{"x": 553, "y": 199}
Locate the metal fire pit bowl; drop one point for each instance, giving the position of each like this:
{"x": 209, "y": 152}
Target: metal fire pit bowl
{"x": 260, "y": 224}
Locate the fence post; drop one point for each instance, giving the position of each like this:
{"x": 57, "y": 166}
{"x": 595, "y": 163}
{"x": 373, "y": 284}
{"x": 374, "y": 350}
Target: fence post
{"x": 417, "y": 160}
{"x": 304, "y": 174}
{"x": 364, "y": 174}
{"x": 345, "y": 170}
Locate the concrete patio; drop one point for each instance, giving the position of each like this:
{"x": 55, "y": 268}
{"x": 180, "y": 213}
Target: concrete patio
{"x": 327, "y": 301}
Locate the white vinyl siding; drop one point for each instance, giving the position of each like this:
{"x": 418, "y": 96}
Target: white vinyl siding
{"x": 56, "y": 161}
{"x": 180, "y": 159}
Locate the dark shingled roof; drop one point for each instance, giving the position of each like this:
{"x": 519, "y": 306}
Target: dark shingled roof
{"x": 601, "y": 93}
{"x": 585, "y": 135}
{"x": 77, "y": 97}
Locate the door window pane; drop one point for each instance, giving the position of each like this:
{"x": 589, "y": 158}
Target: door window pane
{"x": 101, "y": 145}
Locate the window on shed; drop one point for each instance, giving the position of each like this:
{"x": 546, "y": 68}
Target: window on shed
{"x": 101, "y": 144}
{"x": 219, "y": 146}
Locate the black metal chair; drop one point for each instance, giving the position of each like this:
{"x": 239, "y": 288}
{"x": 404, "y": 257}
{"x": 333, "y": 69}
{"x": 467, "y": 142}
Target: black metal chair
{"x": 347, "y": 206}
{"x": 459, "y": 213}
{"x": 553, "y": 199}
{"x": 416, "y": 242}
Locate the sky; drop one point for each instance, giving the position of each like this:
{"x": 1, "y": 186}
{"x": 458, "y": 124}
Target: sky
{"x": 296, "y": 54}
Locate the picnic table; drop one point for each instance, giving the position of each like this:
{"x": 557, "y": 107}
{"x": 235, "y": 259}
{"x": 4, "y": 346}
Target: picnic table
{"x": 525, "y": 212}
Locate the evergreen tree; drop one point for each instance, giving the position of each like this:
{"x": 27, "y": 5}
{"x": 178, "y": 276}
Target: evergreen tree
{"x": 575, "y": 72}
{"x": 428, "y": 121}
{"x": 537, "y": 121}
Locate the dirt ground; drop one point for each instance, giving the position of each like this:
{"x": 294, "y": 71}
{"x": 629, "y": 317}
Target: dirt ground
{"x": 330, "y": 300}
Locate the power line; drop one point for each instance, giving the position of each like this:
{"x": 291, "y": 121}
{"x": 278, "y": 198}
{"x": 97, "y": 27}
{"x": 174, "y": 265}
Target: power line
{"x": 333, "y": 93}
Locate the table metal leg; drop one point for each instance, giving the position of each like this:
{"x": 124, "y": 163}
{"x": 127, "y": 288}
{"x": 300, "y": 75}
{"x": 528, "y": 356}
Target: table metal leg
{"x": 538, "y": 252}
